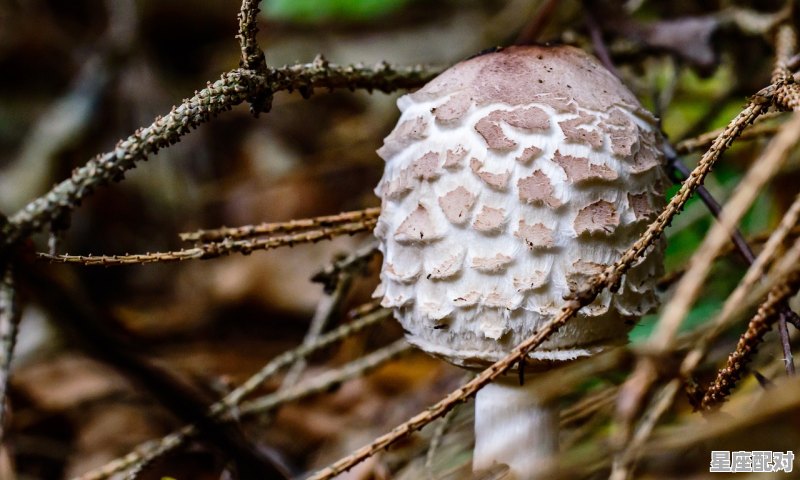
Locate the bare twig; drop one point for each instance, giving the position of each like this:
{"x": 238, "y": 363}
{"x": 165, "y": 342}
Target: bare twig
{"x": 710, "y": 202}
{"x": 736, "y": 299}
{"x": 94, "y": 331}
{"x": 231, "y": 89}
{"x": 588, "y": 406}
{"x": 715, "y": 240}
{"x": 326, "y": 381}
{"x": 759, "y": 325}
{"x": 216, "y": 249}
{"x": 314, "y": 386}
{"x": 327, "y": 308}
{"x": 152, "y": 449}
{"x": 531, "y": 31}
{"x": 783, "y": 334}
{"x": 641, "y": 380}
{"x": 704, "y": 141}
{"x": 249, "y": 231}
{"x": 623, "y": 463}
{"x": 9, "y": 323}
{"x": 670, "y": 278}
{"x": 596, "y": 34}
{"x": 436, "y": 441}
{"x": 355, "y": 262}
{"x": 259, "y": 406}
{"x": 690, "y": 284}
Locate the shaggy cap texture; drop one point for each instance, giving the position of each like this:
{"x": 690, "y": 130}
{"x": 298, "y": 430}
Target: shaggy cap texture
{"x": 510, "y": 180}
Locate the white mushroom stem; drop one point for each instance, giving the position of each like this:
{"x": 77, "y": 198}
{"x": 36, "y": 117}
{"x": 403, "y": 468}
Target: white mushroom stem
{"x": 514, "y": 428}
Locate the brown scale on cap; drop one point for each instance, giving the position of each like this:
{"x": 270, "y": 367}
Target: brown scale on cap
{"x": 449, "y": 265}
{"x": 454, "y": 157}
{"x": 578, "y": 169}
{"x": 418, "y": 227}
{"x": 535, "y": 236}
{"x": 642, "y": 207}
{"x": 528, "y": 154}
{"x": 621, "y": 131}
{"x": 537, "y": 189}
{"x": 498, "y": 181}
{"x": 492, "y": 132}
{"x": 530, "y": 282}
{"x": 598, "y": 217}
{"x": 426, "y": 167}
{"x": 576, "y": 131}
{"x": 490, "y": 220}
{"x": 495, "y": 264}
{"x": 453, "y": 109}
{"x": 456, "y": 204}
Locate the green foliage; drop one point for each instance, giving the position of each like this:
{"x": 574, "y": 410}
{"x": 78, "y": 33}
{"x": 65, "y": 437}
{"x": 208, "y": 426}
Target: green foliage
{"x": 695, "y": 97}
{"x": 312, "y": 11}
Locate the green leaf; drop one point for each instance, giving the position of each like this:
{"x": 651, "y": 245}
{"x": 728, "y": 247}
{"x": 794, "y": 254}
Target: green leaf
{"x": 313, "y": 11}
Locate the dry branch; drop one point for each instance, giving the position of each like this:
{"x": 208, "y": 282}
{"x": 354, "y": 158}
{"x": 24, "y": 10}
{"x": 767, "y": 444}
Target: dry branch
{"x": 252, "y": 56}
{"x": 249, "y": 231}
{"x": 216, "y": 249}
{"x": 788, "y": 283}
{"x": 700, "y": 264}
{"x": 704, "y": 141}
{"x": 231, "y": 89}
{"x": 327, "y": 381}
{"x": 9, "y": 324}
{"x": 735, "y": 301}
{"x": 155, "y": 448}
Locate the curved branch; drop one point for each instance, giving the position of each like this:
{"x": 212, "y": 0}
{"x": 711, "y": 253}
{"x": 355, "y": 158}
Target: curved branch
{"x": 231, "y": 89}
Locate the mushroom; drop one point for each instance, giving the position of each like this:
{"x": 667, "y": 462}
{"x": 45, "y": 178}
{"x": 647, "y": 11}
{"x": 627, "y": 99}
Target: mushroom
{"x": 510, "y": 180}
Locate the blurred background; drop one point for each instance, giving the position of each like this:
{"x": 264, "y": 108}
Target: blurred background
{"x": 78, "y": 76}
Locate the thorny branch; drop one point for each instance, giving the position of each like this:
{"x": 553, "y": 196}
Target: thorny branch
{"x": 644, "y": 375}
{"x": 736, "y": 303}
{"x": 753, "y": 274}
{"x": 249, "y": 231}
{"x": 231, "y": 89}
{"x": 252, "y": 56}
{"x": 748, "y": 343}
{"x": 688, "y": 288}
{"x": 217, "y": 249}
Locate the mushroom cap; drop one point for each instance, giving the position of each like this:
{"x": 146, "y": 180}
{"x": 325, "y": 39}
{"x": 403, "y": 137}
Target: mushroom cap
{"x": 510, "y": 180}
